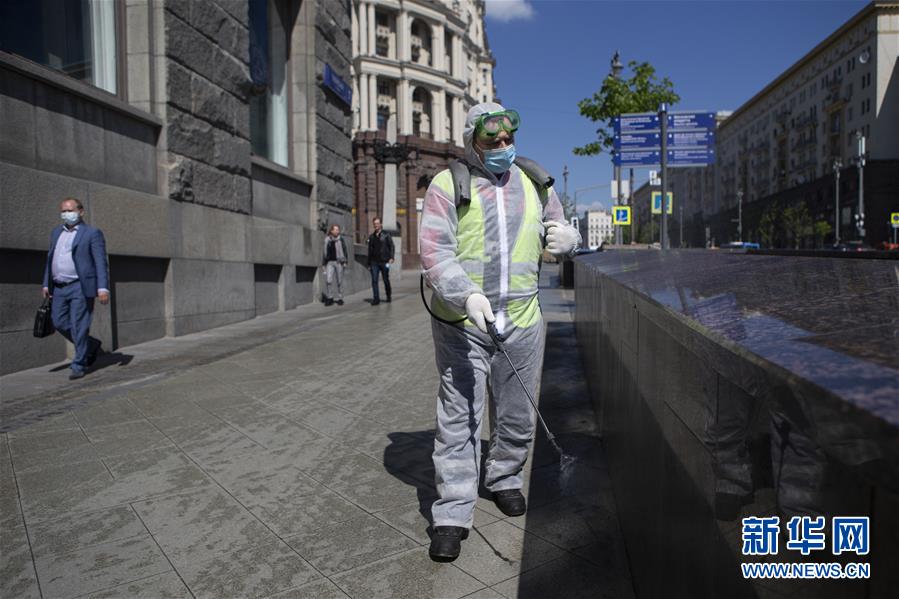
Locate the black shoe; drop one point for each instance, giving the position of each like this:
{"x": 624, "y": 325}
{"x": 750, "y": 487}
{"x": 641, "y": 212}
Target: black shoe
{"x": 76, "y": 375}
{"x": 92, "y": 355}
{"x": 329, "y": 302}
{"x": 375, "y": 302}
{"x": 387, "y": 300}
{"x": 510, "y": 502}
{"x": 339, "y": 302}
{"x": 446, "y": 543}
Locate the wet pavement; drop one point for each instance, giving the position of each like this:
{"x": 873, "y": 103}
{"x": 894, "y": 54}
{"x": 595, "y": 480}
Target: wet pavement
{"x": 288, "y": 456}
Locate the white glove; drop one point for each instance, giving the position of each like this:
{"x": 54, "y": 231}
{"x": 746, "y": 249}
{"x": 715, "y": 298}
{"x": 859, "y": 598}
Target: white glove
{"x": 479, "y": 312}
{"x": 560, "y": 239}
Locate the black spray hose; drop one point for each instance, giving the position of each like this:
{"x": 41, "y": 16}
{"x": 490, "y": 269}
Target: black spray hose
{"x": 498, "y": 341}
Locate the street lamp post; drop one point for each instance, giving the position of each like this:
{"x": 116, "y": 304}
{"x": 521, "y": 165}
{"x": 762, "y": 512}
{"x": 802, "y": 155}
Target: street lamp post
{"x": 860, "y": 217}
{"x": 837, "y": 165}
{"x": 565, "y": 188}
{"x": 616, "y": 66}
{"x": 739, "y": 219}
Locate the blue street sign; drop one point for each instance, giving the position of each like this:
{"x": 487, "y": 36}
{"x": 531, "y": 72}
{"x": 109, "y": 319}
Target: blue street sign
{"x": 691, "y": 120}
{"x": 629, "y": 158}
{"x": 691, "y": 139}
{"x": 636, "y": 141}
{"x": 634, "y": 123}
{"x": 337, "y": 85}
{"x": 691, "y": 157}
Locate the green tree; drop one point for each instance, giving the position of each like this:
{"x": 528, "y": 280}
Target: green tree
{"x": 822, "y": 230}
{"x": 768, "y": 225}
{"x": 642, "y": 92}
{"x": 797, "y": 223}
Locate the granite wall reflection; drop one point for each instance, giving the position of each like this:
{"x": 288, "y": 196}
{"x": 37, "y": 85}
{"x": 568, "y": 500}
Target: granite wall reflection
{"x": 730, "y": 385}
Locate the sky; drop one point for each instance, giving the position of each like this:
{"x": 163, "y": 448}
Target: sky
{"x": 550, "y": 54}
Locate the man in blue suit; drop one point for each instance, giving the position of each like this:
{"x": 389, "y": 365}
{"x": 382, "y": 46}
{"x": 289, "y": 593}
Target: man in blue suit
{"x": 76, "y": 273}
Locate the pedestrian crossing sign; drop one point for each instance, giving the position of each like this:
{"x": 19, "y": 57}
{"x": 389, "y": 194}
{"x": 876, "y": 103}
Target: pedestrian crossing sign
{"x": 657, "y": 202}
{"x": 894, "y": 219}
{"x": 621, "y": 215}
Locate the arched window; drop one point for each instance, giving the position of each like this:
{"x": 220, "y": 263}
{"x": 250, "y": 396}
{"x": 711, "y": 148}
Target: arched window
{"x": 421, "y": 43}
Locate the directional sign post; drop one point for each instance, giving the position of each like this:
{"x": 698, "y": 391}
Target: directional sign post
{"x": 894, "y": 221}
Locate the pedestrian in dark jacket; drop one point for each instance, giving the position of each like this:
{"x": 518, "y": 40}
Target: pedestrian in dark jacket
{"x": 380, "y": 257}
{"x": 334, "y": 260}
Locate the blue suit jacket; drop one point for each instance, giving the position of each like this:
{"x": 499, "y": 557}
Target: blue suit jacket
{"x": 89, "y": 255}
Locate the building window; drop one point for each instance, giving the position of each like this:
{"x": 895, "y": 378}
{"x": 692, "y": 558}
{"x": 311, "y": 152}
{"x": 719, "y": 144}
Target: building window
{"x": 77, "y": 38}
{"x": 268, "y": 71}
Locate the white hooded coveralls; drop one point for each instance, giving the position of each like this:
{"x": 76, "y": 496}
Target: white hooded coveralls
{"x": 492, "y": 246}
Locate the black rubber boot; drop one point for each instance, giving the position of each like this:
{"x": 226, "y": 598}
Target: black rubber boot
{"x": 510, "y": 502}
{"x": 446, "y": 543}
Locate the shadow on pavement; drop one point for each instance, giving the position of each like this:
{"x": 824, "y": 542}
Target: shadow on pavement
{"x": 408, "y": 458}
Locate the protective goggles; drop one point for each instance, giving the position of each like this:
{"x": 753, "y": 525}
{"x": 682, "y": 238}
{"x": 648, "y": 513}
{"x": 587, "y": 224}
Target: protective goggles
{"x": 490, "y": 124}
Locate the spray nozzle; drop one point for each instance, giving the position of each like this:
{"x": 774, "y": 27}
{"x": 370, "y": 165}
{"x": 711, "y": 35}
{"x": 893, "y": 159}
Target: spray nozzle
{"x": 495, "y": 336}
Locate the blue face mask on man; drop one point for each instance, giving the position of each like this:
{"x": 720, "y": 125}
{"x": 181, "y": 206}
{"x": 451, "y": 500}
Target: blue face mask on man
{"x": 500, "y": 160}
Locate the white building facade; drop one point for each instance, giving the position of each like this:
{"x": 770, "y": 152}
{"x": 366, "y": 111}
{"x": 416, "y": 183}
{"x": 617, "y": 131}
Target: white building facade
{"x": 425, "y": 61}
{"x": 597, "y": 228}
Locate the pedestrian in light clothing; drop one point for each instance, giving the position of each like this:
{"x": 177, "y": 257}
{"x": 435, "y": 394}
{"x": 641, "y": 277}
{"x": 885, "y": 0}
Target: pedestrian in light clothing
{"x": 380, "y": 257}
{"x": 76, "y": 273}
{"x": 334, "y": 260}
{"x": 482, "y": 258}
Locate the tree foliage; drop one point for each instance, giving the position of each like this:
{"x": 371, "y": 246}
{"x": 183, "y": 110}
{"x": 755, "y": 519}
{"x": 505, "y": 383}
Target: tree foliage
{"x": 797, "y": 224}
{"x": 642, "y": 92}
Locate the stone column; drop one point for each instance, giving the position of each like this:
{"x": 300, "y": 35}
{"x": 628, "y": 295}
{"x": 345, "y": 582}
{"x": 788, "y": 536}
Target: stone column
{"x": 372, "y": 22}
{"x": 457, "y": 57}
{"x": 354, "y": 31}
{"x": 404, "y": 107}
{"x": 403, "y": 39}
{"x": 363, "y": 28}
{"x": 438, "y": 114}
{"x": 458, "y": 120}
{"x": 357, "y": 104}
{"x": 364, "y": 101}
{"x": 388, "y": 215}
{"x": 373, "y": 102}
{"x": 437, "y": 47}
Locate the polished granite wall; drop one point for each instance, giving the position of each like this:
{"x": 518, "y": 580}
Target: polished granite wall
{"x": 731, "y": 385}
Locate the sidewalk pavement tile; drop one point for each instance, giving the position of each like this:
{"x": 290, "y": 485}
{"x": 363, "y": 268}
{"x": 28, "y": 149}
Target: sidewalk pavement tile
{"x": 307, "y": 456}
{"x": 126, "y": 437}
{"x": 498, "y": 551}
{"x": 608, "y": 553}
{"x": 268, "y": 430}
{"x": 17, "y": 577}
{"x": 29, "y": 449}
{"x": 412, "y": 519}
{"x": 148, "y": 462}
{"x": 327, "y": 419}
{"x": 10, "y": 511}
{"x": 160, "y": 586}
{"x": 204, "y": 522}
{"x": 288, "y": 515}
{"x": 568, "y": 523}
{"x": 107, "y": 412}
{"x": 51, "y": 492}
{"x": 364, "y": 482}
{"x": 100, "y": 567}
{"x": 580, "y": 579}
{"x": 409, "y": 575}
{"x": 250, "y": 571}
{"x": 49, "y": 424}
{"x": 485, "y": 593}
{"x": 339, "y": 547}
{"x": 153, "y": 404}
{"x": 70, "y": 533}
{"x": 211, "y": 441}
{"x": 320, "y": 589}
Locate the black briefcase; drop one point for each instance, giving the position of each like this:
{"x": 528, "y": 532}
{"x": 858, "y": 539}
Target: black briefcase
{"x": 43, "y": 321}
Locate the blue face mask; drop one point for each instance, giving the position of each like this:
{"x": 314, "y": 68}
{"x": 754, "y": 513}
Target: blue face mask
{"x": 499, "y": 161}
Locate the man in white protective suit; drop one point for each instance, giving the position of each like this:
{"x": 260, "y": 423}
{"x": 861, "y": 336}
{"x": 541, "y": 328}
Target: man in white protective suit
{"x": 481, "y": 248}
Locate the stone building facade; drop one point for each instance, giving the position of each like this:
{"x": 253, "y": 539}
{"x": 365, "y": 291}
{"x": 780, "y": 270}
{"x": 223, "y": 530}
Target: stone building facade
{"x": 784, "y": 143}
{"x": 202, "y": 137}
{"x": 425, "y": 63}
